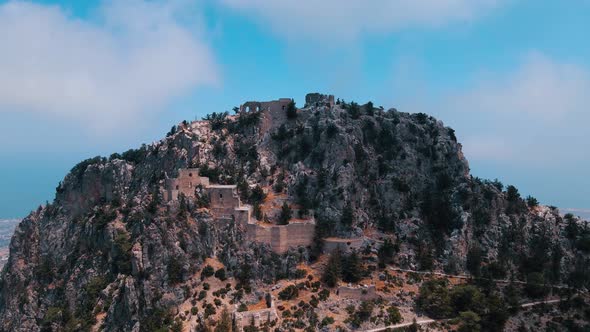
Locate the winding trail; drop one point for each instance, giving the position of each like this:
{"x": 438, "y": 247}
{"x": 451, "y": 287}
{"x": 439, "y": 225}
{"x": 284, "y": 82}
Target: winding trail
{"x": 467, "y": 277}
{"x": 429, "y": 321}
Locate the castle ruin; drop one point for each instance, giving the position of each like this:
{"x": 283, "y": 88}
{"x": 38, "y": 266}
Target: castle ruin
{"x": 362, "y": 293}
{"x": 187, "y": 181}
{"x": 225, "y": 204}
{"x": 345, "y": 245}
{"x": 273, "y": 105}
{"x": 255, "y": 318}
{"x": 318, "y": 99}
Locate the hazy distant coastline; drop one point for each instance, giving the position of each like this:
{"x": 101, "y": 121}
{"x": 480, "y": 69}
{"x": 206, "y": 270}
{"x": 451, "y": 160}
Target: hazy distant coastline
{"x": 7, "y": 227}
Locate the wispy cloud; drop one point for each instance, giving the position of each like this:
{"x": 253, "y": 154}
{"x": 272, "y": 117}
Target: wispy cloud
{"x": 536, "y": 113}
{"x": 345, "y": 20}
{"x": 131, "y": 61}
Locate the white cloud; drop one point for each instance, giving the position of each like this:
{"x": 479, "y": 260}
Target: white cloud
{"x": 129, "y": 61}
{"x": 539, "y": 88}
{"x": 344, "y": 20}
{"x": 537, "y": 113}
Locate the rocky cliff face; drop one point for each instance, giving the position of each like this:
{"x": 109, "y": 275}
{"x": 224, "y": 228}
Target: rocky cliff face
{"x": 108, "y": 253}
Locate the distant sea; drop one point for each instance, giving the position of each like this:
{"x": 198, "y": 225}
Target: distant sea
{"x": 583, "y": 213}
{"x": 7, "y": 227}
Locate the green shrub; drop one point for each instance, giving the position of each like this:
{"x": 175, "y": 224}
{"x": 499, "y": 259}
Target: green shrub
{"x": 220, "y": 274}
{"x": 393, "y": 315}
{"x": 207, "y": 272}
{"x": 288, "y": 293}
{"x": 469, "y": 321}
{"x": 327, "y": 321}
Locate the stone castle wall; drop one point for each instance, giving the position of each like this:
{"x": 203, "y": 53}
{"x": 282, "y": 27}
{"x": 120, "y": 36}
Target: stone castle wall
{"x": 255, "y": 317}
{"x": 225, "y": 205}
{"x": 343, "y": 244}
{"x": 358, "y": 293}
{"x": 273, "y": 105}
{"x": 282, "y": 237}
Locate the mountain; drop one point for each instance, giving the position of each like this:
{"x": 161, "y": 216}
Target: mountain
{"x": 251, "y": 219}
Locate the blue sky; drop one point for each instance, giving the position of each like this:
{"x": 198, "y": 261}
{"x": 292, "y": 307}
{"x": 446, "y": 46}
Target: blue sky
{"x": 84, "y": 78}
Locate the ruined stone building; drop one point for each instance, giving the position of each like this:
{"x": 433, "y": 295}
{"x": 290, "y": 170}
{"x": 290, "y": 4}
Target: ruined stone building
{"x": 345, "y": 245}
{"x": 318, "y": 99}
{"x": 255, "y": 317}
{"x": 363, "y": 293}
{"x": 225, "y": 205}
{"x": 272, "y": 105}
{"x": 186, "y": 182}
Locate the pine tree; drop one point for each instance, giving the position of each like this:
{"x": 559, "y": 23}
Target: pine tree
{"x": 333, "y": 269}
{"x": 386, "y": 252}
{"x": 370, "y": 108}
{"x": 347, "y": 218}
{"x": 257, "y": 212}
{"x": 291, "y": 110}
{"x": 286, "y": 214}
{"x": 225, "y": 322}
{"x": 352, "y": 268}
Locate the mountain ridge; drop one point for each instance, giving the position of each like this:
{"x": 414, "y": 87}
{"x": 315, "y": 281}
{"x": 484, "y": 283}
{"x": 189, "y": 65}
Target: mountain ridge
{"x": 110, "y": 253}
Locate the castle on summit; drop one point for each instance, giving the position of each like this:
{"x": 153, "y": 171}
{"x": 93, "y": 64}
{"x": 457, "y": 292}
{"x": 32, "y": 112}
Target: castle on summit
{"x": 318, "y": 99}
{"x": 311, "y": 99}
{"x": 272, "y": 105}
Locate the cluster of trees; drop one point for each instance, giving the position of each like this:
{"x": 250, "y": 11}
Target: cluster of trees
{"x": 346, "y": 267}
{"x": 357, "y": 316}
{"x": 476, "y": 310}
{"x": 217, "y": 120}
{"x": 354, "y": 109}
{"x": 437, "y": 206}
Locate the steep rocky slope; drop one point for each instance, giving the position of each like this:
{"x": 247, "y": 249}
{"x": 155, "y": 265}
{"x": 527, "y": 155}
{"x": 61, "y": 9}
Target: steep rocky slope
{"x": 108, "y": 253}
